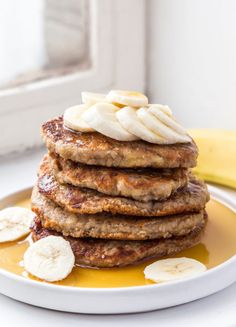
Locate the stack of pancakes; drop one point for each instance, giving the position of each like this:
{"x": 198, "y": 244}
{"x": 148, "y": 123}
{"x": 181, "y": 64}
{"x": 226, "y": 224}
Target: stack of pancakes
{"x": 117, "y": 203}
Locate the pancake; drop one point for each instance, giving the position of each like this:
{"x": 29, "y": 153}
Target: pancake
{"x": 97, "y": 149}
{"x": 112, "y": 253}
{"x": 85, "y": 201}
{"x": 139, "y": 184}
{"x": 109, "y": 226}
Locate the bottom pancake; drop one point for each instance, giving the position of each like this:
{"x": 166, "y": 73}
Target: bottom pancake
{"x": 102, "y": 253}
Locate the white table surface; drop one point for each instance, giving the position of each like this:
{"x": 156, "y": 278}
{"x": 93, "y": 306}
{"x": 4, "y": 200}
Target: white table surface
{"x": 216, "y": 310}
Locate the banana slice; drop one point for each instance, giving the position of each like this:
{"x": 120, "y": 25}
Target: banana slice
{"x": 73, "y": 118}
{"x": 102, "y": 117}
{"x": 129, "y": 120}
{"x": 161, "y": 107}
{"x": 90, "y": 98}
{"x": 15, "y": 223}
{"x": 127, "y": 98}
{"x": 169, "y": 121}
{"x": 175, "y": 268}
{"x": 158, "y": 127}
{"x": 50, "y": 259}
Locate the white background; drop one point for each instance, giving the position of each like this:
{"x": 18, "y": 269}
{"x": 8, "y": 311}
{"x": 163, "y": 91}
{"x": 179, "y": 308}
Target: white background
{"x": 192, "y": 60}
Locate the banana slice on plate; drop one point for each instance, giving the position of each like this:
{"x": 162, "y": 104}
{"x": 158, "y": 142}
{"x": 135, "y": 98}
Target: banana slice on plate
{"x": 174, "y": 268}
{"x": 128, "y": 118}
{"x": 157, "y": 126}
{"x": 90, "y": 98}
{"x": 102, "y": 118}
{"x": 127, "y": 98}
{"x": 15, "y": 223}
{"x": 50, "y": 259}
{"x": 73, "y": 118}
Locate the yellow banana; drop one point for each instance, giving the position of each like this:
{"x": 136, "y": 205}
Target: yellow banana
{"x": 217, "y": 155}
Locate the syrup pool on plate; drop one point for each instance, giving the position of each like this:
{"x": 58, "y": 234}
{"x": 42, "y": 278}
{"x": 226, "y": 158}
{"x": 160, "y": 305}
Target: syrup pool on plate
{"x": 218, "y": 244}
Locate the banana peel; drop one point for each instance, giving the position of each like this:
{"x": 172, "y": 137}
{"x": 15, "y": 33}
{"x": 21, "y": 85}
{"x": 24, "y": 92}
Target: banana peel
{"x": 217, "y": 155}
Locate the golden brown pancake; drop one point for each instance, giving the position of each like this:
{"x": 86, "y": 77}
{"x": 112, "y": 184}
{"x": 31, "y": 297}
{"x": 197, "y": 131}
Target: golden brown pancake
{"x": 97, "y": 149}
{"x": 112, "y": 253}
{"x": 86, "y": 201}
{"x": 140, "y": 184}
{"x": 109, "y": 226}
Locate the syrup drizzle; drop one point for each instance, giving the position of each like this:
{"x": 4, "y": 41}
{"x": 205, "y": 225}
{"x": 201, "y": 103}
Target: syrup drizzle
{"x": 218, "y": 244}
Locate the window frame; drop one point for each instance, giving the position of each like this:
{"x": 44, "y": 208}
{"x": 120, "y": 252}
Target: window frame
{"x": 117, "y": 61}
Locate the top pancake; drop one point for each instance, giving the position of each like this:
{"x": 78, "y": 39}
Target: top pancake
{"x": 97, "y": 149}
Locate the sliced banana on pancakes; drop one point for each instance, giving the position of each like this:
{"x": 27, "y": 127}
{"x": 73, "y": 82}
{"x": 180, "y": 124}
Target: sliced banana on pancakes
{"x": 15, "y": 223}
{"x": 168, "y": 121}
{"x": 127, "y": 98}
{"x": 50, "y": 259}
{"x": 102, "y": 117}
{"x": 172, "y": 269}
{"x": 90, "y": 98}
{"x": 129, "y": 120}
{"x": 73, "y": 119}
{"x": 161, "y": 107}
{"x": 125, "y": 116}
{"x": 162, "y": 124}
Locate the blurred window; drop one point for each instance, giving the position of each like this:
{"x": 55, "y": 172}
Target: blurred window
{"x": 41, "y": 39}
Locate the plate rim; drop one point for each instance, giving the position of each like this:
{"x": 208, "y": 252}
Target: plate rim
{"x": 215, "y": 193}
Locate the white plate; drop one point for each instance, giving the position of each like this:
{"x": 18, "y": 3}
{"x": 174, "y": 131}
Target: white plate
{"x": 123, "y": 299}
